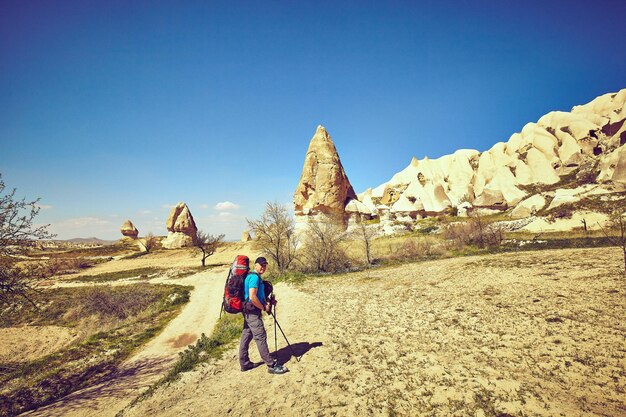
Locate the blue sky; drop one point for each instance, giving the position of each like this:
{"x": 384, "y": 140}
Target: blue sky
{"x": 114, "y": 110}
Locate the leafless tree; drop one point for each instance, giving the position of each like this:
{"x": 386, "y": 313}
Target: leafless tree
{"x": 617, "y": 220}
{"x": 17, "y": 235}
{"x": 208, "y": 244}
{"x": 365, "y": 234}
{"x": 149, "y": 242}
{"x": 322, "y": 245}
{"x": 476, "y": 231}
{"x": 275, "y": 235}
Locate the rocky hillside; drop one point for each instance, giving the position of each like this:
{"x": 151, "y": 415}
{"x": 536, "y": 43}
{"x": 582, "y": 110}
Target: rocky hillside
{"x": 563, "y": 158}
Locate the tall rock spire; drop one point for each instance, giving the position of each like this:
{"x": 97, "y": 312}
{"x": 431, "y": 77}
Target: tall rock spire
{"x": 324, "y": 187}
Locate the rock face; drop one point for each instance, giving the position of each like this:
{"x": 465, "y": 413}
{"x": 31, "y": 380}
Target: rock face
{"x": 129, "y": 230}
{"x": 181, "y": 227}
{"x": 324, "y": 187}
{"x": 245, "y": 236}
{"x": 561, "y": 151}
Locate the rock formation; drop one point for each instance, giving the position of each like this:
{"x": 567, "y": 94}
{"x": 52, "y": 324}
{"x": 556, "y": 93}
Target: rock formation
{"x": 324, "y": 187}
{"x": 544, "y": 166}
{"x": 129, "y": 230}
{"x": 181, "y": 227}
{"x": 245, "y": 236}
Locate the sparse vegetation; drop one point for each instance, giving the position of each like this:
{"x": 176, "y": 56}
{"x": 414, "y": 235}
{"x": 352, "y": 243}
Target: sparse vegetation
{"x": 113, "y": 320}
{"x": 18, "y": 233}
{"x": 322, "y": 249}
{"x": 149, "y": 242}
{"x": 208, "y": 244}
{"x": 114, "y": 276}
{"x": 275, "y": 235}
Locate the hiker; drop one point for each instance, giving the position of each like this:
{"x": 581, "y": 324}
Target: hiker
{"x": 253, "y": 327}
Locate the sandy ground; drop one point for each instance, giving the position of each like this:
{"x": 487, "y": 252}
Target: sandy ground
{"x": 528, "y": 334}
{"x": 26, "y": 343}
{"x": 155, "y": 359}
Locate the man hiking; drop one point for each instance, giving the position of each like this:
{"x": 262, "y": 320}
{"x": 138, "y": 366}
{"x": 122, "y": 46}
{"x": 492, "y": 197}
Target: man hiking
{"x": 253, "y": 327}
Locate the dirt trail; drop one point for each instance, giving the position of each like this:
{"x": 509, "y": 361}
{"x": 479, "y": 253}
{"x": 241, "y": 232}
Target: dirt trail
{"x": 153, "y": 361}
{"x": 531, "y": 333}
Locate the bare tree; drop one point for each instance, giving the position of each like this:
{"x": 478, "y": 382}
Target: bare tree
{"x": 617, "y": 220}
{"x": 322, "y": 245}
{"x": 149, "y": 242}
{"x": 365, "y": 235}
{"x": 17, "y": 235}
{"x": 275, "y": 235}
{"x": 208, "y": 244}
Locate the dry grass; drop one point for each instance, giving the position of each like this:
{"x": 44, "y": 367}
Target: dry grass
{"x": 110, "y": 321}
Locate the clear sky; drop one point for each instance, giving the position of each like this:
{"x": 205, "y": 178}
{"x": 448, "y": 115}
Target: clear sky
{"x": 120, "y": 109}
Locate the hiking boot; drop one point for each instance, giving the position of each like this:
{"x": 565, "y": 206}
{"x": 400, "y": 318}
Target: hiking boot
{"x": 277, "y": 369}
{"x": 250, "y": 365}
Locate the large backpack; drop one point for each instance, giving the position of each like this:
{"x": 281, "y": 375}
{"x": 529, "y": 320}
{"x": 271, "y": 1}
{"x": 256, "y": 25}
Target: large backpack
{"x": 234, "y": 297}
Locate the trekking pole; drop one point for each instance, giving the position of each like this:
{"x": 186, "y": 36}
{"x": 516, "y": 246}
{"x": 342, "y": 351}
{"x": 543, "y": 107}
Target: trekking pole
{"x": 281, "y": 330}
{"x": 273, "y": 306}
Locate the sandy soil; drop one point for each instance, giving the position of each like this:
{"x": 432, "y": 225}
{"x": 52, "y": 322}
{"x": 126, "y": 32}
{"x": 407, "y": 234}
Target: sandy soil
{"x": 528, "y": 334}
{"x": 26, "y": 343}
{"x": 155, "y": 359}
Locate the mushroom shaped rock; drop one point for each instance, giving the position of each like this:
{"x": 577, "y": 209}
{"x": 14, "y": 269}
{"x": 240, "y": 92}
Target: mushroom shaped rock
{"x": 355, "y": 206}
{"x": 324, "y": 186}
{"x": 403, "y": 205}
{"x": 129, "y": 230}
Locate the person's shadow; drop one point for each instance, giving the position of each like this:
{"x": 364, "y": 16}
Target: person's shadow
{"x": 284, "y": 355}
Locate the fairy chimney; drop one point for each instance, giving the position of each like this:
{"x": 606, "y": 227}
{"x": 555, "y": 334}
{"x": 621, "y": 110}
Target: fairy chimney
{"x": 324, "y": 187}
{"x": 181, "y": 227}
{"x": 129, "y": 230}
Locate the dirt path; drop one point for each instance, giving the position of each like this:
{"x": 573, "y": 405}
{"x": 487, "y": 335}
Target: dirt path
{"x": 524, "y": 334}
{"x": 153, "y": 361}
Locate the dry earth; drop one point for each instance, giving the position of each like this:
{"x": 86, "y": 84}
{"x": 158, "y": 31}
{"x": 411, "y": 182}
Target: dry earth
{"x": 153, "y": 360}
{"x": 525, "y": 334}
{"x": 19, "y": 344}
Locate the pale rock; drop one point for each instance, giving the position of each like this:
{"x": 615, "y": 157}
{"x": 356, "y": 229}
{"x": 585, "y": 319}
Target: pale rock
{"x": 504, "y": 181}
{"x": 463, "y": 209}
{"x": 514, "y": 144}
{"x": 615, "y": 166}
{"x": 355, "y": 206}
{"x": 403, "y": 205}
{"x": 490, "y": 199}
{"x": 541, "y": 167}
{"x": 129, "y": 230}
{"x": 528, "y": 207}
{"x": 176, "y": 240}
{"x": 369, "y": 203}
{"x": 245, "y": 236}
{"x": 563, "y": 122}
{"x": 594, "y": 221}
{"x": 181, "y": 227}
{"x": 569, "y": 195}
{"x": 570, "y": 151}
{"x": 323, "y": 186}
{"x": 430, "y": 198}
{"x": 523, "y": 173}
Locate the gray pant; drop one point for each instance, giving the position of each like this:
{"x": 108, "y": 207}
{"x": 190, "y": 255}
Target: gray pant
{"x": 253, "y": 328}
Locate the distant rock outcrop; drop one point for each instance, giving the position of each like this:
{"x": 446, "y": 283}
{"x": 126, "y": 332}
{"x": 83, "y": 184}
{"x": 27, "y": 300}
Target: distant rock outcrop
{"x": 546, "y": 165}
{"x": 324, "y": 187}
{"x": 245, "y": 236}
{"x": 181, "y": 227}
{"x": 129, "y": 230}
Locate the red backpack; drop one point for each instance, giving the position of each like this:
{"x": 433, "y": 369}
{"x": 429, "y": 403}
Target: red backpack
{"x": 234, "y": 297}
